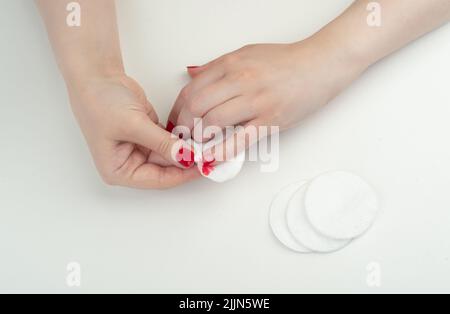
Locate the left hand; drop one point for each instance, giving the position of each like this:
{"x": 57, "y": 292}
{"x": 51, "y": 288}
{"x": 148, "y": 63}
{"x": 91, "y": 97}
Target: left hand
{"x": 264, "y": 85}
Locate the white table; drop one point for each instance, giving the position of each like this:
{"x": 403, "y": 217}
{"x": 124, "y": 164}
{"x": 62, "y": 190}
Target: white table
{"x": 391, "y": 127}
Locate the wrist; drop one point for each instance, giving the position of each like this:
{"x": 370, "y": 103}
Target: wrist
{"x": 84, "y": 89}
{"x": 331, "y": 65}
{"x": 339, "y": 51}
{"x": 79, "y": 62}
{"x": 78, "y": 78}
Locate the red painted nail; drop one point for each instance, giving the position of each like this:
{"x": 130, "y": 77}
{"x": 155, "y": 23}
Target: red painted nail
{"x": 208, "y": 168}
{"x": 170, "y": 127}
{"x": 208, "y": 158}
{"x": 186, "y": 157}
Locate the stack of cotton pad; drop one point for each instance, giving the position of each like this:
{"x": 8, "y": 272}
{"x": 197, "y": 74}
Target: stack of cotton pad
{"x": 325, "y": 214}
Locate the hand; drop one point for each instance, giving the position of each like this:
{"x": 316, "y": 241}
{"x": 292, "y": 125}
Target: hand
{"x": 122, "y": 131}
{"x": 264, "y": 85}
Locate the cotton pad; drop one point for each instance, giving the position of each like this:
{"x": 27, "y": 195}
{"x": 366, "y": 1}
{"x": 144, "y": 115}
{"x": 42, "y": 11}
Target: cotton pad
{"x": 223, "y": 172}
{"x": 278, "y": 221}
{"x": 340, "y": 205}
{"x": 302, "y": 230}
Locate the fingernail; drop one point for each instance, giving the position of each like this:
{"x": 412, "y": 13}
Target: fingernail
{"x": 170, "y": 126}
{"x": 192, "y": 67}
{"x": 207, "y": 167}
{"x": 208, "y": 158}
{"x": 186, "y": 157}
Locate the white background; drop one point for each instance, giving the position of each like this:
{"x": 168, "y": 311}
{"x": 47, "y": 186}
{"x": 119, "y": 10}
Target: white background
{"x": 391, "y": 127}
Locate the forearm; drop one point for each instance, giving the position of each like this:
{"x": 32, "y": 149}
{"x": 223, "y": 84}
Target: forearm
{"x": 402, "y": 21}
{"x": 90, "y": 50}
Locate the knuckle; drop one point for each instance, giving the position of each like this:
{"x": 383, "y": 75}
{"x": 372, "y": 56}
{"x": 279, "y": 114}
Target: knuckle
{"x": 230, "y": 59}
{"x": 194, "y": 106}
{"x": 185, "y": 94}
{"x": 164, "y": 147}
{"x": 252, "y": 106}
{"x": 131, "y": 126}
{"x": 244, "y": 75}
{"x": 213, "y": 120}
{"x": 262, "y": 97}
{"x": 260, "y": 101}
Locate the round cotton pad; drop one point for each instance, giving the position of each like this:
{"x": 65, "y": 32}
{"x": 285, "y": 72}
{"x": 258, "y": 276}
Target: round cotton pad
{"x": 278, "y": 221}
{"x": 223, "y": 172}
{"x": 341, "y": 205}
{"x": 302, "y": 230}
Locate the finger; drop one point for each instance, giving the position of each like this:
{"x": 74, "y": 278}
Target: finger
{"x": 208, "y": 76}
{"x": 150, "y": 176}
{"x": 158, "y": 160}
{"x": 194, "y": 70}
{"x": 152, "y": 114}
{"x": 145, "y": 133}
{"x": 233, "y": 112}
{"x": 136, "y": 172}
{"x": 241, "y": 140}
{"x": 136, "y": 88}
{"x": 207, "y": 98}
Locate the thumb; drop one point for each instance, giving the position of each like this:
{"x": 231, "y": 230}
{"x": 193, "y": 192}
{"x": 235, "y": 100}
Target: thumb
{"x": 146, "y": 133}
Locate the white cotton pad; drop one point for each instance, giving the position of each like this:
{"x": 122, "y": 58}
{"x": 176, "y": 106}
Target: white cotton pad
{"x": 278, "y": 221}
{"x": 302, "y": 230}
{"x": 341, "y": 205}
{"x": 223, "y": 172}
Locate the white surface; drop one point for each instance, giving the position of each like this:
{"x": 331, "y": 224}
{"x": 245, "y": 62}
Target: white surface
{"x": 340, "y": 205}
{"x": 303, "y": 231}
{"x": 391, "y": 127}
{"x": 277, "y": 218}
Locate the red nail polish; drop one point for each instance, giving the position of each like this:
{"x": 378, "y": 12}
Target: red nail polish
{"x": 186, "y": 157}
{"x": 170, "y": 127}
{"x": 208, "y": 167}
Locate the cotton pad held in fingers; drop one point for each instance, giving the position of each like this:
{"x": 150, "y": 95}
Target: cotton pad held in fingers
{"x": 222, "y": 172}
{"x": 302, "y": 230}
{"x": 341, "y": 205}
{"x": 278, "y": 221}
{"x": 225, "y": 171}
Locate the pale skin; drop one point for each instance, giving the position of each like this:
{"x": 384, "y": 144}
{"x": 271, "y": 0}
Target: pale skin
{"x": 278, "y": 85}
{"x": 129, "y": 146}
{"x": 269, "y": 84}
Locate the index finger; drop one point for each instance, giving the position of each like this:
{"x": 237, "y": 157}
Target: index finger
{"x": 208, "y": 74}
